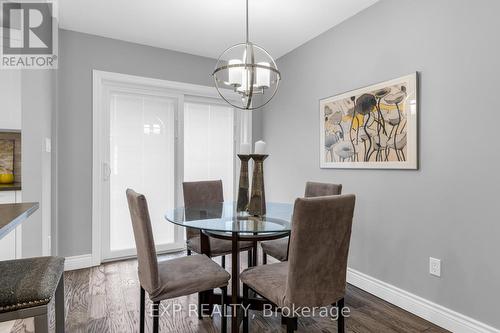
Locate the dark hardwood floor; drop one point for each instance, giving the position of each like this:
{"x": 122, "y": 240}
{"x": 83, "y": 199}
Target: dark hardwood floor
{"x": 106, "y": 299}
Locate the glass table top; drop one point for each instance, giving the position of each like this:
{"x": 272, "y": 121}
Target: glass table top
{"x": 223, "y": 217}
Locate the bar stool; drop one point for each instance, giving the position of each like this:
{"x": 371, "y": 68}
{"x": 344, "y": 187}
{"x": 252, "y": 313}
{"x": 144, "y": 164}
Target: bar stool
{"x": 26, "y": 288}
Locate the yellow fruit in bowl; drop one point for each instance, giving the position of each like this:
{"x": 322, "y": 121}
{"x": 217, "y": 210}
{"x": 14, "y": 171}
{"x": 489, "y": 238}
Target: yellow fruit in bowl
{"x": 6, "y": 178}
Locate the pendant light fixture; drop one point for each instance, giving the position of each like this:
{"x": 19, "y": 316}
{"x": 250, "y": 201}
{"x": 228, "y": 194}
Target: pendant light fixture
{"x": 248, "y": 70}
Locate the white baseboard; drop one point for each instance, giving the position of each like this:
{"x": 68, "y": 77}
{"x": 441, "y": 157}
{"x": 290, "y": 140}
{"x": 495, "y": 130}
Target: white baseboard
{"x": 78, "y": 262}
{"x": 435, "y": 313}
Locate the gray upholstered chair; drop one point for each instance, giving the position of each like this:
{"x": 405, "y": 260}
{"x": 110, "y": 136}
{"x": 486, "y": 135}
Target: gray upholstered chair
{"x": 26, "y": 288}
{"x": 315, "y": 273}
{"x": 202, "y": 193}
{"x": 171, "y": 278}
{"x": 279, "y": 248}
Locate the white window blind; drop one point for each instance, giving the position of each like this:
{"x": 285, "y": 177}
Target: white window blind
{"x": 209, "y": 144}
{"x": 142, "y": 158}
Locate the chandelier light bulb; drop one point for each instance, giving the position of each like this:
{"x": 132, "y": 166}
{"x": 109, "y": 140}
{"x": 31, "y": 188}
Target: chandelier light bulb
{"x": 263, "y": 75}
{"x": 235, "y": 73}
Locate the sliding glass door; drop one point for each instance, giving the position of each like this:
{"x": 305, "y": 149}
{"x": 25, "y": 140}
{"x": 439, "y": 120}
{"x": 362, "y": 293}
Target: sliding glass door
{"x": 152, "y": 141}
{"x": 152, "y": 135}
{"x": 142, "y": 157}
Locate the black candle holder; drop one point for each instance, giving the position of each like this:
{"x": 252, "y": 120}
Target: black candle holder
{"x": 244, "y": 185}
{"x": 257, "y": 205}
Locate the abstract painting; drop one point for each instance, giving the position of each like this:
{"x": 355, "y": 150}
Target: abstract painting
{"x": 6, "y": 156}
{"x": 373, "y": 127}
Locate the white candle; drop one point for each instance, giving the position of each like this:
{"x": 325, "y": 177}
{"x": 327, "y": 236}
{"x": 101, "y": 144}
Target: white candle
{"x": 260, "y": 148}
{"x": 245, "y": 78}
{"x": 263, "y": 76}
{"x": 245, "y": 149}
{"x": 235, "y": 72}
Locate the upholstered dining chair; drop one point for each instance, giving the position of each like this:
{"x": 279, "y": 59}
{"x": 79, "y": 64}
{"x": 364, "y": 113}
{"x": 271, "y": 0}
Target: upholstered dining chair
{"x": 315, "y": 273}
{"x": 203, "y": 193}
{"x": 278, "y": 248}
{"x": 171, "y": 278}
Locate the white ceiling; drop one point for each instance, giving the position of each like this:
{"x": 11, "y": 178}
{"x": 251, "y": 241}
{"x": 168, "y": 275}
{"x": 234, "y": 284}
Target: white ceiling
{"x": 208, "y": 27}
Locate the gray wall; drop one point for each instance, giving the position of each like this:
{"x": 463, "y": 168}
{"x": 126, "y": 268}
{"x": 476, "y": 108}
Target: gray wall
{"x": 257, "y": 127}
{"x": 79, "y": 54}
{"x": 448, "y": 208}
{"x": 38, "y": 105}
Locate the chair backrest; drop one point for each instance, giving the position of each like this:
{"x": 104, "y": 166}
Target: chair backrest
{"x": 144, "y": 241}
{"x": 319, "y": 245}
{"x": 314, "y": 189}
{"x": 201, "y": 193}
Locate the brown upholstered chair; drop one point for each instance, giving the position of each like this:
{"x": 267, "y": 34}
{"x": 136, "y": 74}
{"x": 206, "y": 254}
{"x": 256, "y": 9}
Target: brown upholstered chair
{"x": 279, "y": 248}
{"x": 171, "y": 278}
{"x": 202, "y": 193}
{"x": 315, "y": 273}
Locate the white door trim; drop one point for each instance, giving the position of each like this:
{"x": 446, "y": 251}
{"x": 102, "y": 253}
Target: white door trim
{"x": 101, "y": 80}
{"x": 19, "y": 231}
{"x": 100, "y": 77}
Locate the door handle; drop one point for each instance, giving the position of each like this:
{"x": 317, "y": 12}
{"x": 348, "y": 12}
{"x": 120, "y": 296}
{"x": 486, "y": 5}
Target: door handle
{"x": 106, "y": 171}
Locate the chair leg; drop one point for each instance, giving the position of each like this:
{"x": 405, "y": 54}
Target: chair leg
{"x": 250, "y": 260}
{"x": 156, "y": 316}
{"x": 188, "y": 252}
{"x": 209, "y": 297}
{"x": 200, "y": 303}
{"x": 245, "y": 304}
{"x": 291, "y": 324}
{"x": 264, "y": 258}
{"x": 255, "y": 254}
{"x": 142, "y": 310}
{"x": 42, "y": 323}
{"x": 59, "y": 306}
{"x": 223, "y": 262}
{"x": 223, "y": 319}
{"x": 340, "y": 320}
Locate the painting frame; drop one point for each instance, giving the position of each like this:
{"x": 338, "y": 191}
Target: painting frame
{"x": 329, "y": 153}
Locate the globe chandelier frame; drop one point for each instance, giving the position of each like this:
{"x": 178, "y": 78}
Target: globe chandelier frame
{"x": 255, "y": 77}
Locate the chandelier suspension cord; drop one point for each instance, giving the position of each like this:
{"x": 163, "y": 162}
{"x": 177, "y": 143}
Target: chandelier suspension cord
{"x": 247, "y": 20}
{"x": 250, "y": 78}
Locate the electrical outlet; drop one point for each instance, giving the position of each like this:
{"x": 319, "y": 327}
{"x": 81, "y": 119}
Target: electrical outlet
{"x": 435, "y": 267}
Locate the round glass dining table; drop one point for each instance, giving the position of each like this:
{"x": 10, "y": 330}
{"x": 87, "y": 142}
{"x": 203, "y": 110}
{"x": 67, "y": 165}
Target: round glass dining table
{"x": 221, "y": 220}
